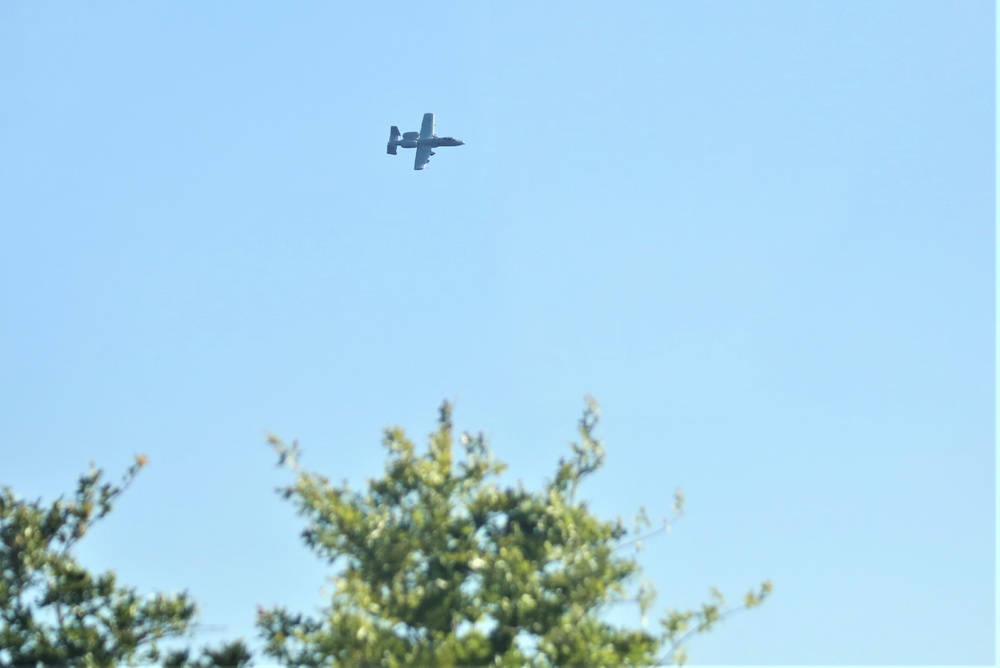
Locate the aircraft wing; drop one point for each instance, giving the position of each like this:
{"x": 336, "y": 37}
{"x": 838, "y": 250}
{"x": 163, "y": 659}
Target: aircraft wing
{"x": 423, "y": 155}
{"x": 427, "y": 127}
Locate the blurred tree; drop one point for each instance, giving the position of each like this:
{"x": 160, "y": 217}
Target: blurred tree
{"x": 55, "y": 612}
{"x": 232, "y": 654}
{"x": 439, "y": 565}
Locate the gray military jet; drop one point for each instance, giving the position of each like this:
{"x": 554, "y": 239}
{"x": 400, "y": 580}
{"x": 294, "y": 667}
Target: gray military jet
{"x": 424, "y": 141}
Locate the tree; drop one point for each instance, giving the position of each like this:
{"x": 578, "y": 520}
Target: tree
{"x": 438, "y": 564}
{"x": 54, "y": 612}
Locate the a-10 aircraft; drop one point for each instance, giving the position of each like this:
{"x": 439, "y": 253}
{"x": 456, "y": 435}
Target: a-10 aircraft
{"x": 424, "y": 141}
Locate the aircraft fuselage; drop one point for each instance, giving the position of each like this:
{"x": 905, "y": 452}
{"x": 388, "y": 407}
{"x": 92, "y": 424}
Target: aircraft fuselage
{"x": 433, "y": 142}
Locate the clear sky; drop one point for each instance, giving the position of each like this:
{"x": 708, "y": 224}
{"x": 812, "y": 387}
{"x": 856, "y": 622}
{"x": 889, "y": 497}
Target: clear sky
{"x": 761, "y": 234}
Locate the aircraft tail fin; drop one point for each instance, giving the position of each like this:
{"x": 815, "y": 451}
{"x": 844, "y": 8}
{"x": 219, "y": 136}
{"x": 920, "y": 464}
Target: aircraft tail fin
{"x": 390, "y": 148}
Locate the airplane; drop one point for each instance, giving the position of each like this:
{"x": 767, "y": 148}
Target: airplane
{"x": 424, "y": 141}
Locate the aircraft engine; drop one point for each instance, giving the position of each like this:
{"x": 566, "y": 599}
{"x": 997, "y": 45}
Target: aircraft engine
{"x": 411, "y": 135}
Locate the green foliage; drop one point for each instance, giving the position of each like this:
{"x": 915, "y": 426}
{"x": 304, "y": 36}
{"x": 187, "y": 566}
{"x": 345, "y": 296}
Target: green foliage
{"x": 437, "y": 564}
{"x": 680, "y": 625}
{"x": 52, "y": 610}
{"x": 233, "y": 654}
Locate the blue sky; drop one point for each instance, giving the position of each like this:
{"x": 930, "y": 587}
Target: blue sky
{"x": 760, "y": 234}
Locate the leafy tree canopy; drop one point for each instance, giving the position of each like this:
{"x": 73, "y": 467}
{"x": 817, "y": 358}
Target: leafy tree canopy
{"x": 438, "y": 564}
{"x": 53, "y": 612}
